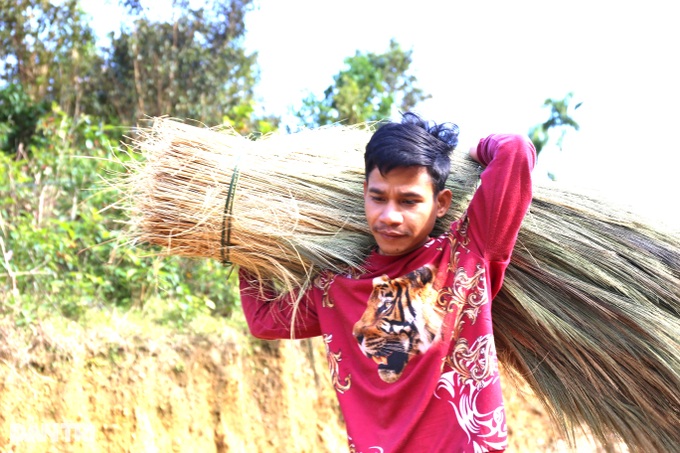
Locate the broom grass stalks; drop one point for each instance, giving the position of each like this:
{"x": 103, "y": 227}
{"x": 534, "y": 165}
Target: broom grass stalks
{"x": 295, "y": 210}
{"x": 589, "y": 314}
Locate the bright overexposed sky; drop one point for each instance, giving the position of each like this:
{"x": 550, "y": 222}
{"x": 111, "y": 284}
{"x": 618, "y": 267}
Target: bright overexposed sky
{"x": 489, "y": 66}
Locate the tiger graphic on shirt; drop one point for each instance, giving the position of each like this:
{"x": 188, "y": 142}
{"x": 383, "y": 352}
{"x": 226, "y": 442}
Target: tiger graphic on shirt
{"x": 401, "y": 320}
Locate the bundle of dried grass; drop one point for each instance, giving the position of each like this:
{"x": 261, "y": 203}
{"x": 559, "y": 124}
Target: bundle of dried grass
{"x": 276, "y": 206}
{"x": 589, "y": 313}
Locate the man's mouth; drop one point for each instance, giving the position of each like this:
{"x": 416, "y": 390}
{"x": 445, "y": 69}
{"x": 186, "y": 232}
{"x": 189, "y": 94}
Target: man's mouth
{"x": 390, "y": 233}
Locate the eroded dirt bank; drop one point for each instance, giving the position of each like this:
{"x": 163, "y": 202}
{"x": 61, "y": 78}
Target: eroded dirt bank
{"x": 120, "y": 388}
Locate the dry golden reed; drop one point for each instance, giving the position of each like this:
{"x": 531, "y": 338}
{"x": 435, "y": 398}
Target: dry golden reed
{"x": 292, "y": 209}
{"x": 589, "y": 314}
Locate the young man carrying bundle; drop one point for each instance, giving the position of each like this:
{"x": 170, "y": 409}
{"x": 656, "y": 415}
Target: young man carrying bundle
{"x": 409, "y": 335}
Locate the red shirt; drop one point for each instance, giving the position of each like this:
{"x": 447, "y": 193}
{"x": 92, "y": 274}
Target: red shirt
{"x": 409, "y": 340}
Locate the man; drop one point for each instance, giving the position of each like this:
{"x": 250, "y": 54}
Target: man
{"x": 409, "y": 337}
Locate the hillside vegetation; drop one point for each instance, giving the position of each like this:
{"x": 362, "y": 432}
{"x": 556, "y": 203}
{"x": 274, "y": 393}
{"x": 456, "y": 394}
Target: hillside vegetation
{"x": 107, "y": 346}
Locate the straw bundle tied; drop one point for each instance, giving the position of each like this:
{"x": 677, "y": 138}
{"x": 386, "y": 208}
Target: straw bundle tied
{"x": 271, "y": 205}
{"x": 589, "y": 314}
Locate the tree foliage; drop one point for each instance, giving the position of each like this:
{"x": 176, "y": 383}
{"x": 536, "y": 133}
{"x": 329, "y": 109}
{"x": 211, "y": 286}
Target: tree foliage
{"x": 559, "y": 119}
{"x": 366, "y": 90}
{"x": 19, "y": 116}
{"x": 193, "y": 67}
{"x": 49, "y": 50}
{"x": 60, "y": 241}
{"x": 62, "y": 102}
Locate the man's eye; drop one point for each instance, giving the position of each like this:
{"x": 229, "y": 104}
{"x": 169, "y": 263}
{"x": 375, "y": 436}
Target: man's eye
{"x": 378, "y": 199}
{"x": 410, "y": 202}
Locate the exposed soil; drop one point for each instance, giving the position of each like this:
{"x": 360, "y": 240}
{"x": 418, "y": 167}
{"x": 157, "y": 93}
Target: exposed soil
{"x": 116, "y": 389}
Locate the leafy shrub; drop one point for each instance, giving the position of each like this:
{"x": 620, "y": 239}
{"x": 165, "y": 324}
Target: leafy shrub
{"x": 60, "y": 239}
{"x": 19, "y": 117}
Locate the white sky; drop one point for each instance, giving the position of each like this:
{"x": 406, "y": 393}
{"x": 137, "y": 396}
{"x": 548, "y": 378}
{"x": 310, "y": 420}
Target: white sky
{"x": 489, "y": 65}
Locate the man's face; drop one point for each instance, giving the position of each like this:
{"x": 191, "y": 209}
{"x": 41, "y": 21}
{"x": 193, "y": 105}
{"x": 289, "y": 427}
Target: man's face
{"x": 401, "y": 208}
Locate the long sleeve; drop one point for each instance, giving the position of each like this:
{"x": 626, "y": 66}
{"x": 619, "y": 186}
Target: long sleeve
{"x": 503, "y": 198}
{"x": 271, "y": 318}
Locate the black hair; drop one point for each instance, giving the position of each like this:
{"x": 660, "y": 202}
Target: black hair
{"x": 413, "y": 142}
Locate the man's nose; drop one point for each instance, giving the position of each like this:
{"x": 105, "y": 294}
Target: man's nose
{"x": 391, "y": 215}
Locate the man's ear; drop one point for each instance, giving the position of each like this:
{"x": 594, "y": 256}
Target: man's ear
{"x": 365, "y": 187}
{"x": 444, "y": 198}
